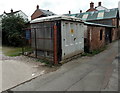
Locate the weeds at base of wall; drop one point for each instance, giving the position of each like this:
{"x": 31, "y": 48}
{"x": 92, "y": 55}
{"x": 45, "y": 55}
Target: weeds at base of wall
{"x": 47, "y": 63}
{"x": 94, "y": 52}
{"x": 115, "y": 40}
{"x": 43, "y": 61}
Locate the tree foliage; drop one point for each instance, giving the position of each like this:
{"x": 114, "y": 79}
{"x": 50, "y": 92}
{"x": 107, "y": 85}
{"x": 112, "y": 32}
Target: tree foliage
{"x": 12, "y": 30}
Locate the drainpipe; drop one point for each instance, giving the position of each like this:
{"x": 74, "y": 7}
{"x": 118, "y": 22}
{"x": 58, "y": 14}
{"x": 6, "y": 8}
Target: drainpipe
{"x": 55, "y": 45}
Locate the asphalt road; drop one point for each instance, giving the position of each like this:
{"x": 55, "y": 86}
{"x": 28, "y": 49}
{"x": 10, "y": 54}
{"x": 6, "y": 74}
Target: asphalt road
{"x": 97, "y": 73}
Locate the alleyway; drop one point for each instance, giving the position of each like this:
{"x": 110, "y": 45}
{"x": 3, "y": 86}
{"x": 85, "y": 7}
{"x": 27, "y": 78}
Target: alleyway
{"x": 97, "y": 73}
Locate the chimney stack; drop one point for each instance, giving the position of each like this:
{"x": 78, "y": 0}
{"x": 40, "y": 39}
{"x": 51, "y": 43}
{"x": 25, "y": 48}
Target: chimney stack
{"x": 99, "y": 3}
{"x": 11, "y": 10}
{"x": 4, "y": 12}
{"x": 91, "y": 5}
{"x": 69, "y": 12}
{"x": 37, "y": 6}
{"x": 80, "y": 11}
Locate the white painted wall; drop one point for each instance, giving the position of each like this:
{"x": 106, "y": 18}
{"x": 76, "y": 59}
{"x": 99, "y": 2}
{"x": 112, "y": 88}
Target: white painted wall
{"x": 101, "y": 8}
{"x": 23, "y": 15}
{"x": 72, "y": 34}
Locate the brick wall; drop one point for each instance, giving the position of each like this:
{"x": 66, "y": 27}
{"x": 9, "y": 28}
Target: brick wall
{"x": 94, "y": 37}
{"x": 115, "y": 34}
{"x": 114, "y": 22}
{"x": 36, "y": 14}
{"x": 115, "y": 31}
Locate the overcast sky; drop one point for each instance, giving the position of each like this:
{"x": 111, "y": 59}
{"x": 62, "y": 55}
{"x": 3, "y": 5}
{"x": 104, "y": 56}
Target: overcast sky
{"x": 56, "y": 6}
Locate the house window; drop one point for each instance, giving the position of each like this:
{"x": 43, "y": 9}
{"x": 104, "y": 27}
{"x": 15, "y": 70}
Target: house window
{"x": 85, "y": 16}
{"x": 101, "y": 34}
{"x": 100, "y": 15}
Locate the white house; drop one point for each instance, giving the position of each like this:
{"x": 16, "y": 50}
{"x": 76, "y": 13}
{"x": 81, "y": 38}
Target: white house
{"x": 0, "y": 22}
{"x": 100, "y": 7}
{"x": 19, "y": 12}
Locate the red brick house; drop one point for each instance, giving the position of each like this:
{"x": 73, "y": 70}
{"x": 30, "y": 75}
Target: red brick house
{"x": 91, "y": 7}
{"x": 102, "y": 15}
{"x": 41, "y": 13}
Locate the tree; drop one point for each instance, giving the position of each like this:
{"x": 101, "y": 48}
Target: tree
{"x": 12, "y": 30}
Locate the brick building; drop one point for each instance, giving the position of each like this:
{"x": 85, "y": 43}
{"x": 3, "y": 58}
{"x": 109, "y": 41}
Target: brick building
{"x": 100, "y": 20}
{"x": 105, "y": 17}
{"x": 97, "y": 36}
{"x": 41, "y": 13}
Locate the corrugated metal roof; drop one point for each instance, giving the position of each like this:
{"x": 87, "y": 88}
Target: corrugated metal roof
{"x": 89, "y": 23}
{"x": 110, "y": 13}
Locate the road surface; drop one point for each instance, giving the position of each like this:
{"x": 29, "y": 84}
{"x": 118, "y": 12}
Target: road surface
{"x": 97, "y": 73}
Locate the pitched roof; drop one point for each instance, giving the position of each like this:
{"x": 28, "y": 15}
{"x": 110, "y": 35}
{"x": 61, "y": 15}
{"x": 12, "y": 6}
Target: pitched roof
{"x": 12, "y": 13}
{"x": 91, "y": 9}
{"x": 47, "y": 12}
{"x": 101, "y": 8}
{"x": 97, "y": 24}
{"x": 96, "y": 15}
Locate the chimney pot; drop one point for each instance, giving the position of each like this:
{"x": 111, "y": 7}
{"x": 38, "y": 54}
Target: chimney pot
{"x": 99, "y": 3}
{"x": 91, "y": 5}
{"x": 37, "y": 6}
{"x": 11, "y": 10}
{"x": 69, "y": 12}
{"x": 80, "y": 11}
{"x": 4, "y": 12}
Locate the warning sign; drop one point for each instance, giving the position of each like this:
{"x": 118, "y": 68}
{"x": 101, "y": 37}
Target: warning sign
{"x": 71, "y": 31}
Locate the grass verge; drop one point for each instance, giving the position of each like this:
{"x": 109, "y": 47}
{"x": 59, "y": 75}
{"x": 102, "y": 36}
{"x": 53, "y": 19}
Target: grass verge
{"x": 11, "y": 51}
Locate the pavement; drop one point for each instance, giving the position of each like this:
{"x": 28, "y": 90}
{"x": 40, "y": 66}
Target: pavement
{"x": 15, "y": 73}
{"x": 97, "y": 73}
{"x": 17, "y": 70}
